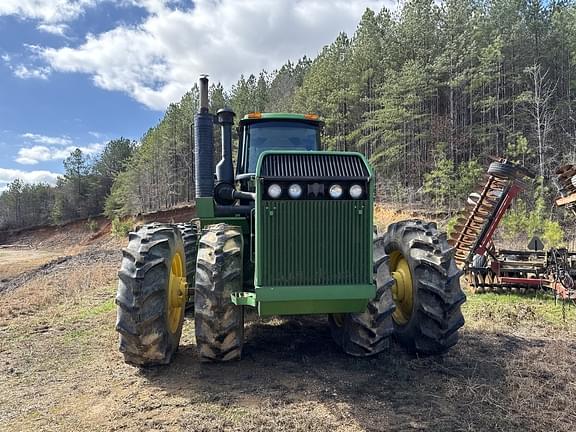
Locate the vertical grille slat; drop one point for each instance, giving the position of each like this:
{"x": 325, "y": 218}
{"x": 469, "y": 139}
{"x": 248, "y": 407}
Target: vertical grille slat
{"x": 316, "y": 243}
{"x": 313, "y": 165}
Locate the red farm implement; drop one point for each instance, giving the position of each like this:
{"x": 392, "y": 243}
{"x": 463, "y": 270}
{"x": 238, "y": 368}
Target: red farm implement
{"x": 489, "y": 269}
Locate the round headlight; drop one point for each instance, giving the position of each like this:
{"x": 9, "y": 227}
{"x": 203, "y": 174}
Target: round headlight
{"x": 335, "y": 191}
{"x": 274, "y": 191}
{"x": 356, "y": 191}
{"x": 295, "y": 191}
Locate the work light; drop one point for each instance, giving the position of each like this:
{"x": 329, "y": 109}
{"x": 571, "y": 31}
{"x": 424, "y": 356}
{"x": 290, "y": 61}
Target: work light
{"x": 274, "y": 191}
{"x": 356, "y": 191}
{"x": 335, "y": 191}
{"x": 295, "y": 191}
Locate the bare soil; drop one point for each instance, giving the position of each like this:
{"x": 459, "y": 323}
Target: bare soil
{"x": 60, "y": 369}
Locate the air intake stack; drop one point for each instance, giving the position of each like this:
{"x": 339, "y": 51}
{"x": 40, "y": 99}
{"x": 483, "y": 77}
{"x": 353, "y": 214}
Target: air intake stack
{"x": 225, "y": 169}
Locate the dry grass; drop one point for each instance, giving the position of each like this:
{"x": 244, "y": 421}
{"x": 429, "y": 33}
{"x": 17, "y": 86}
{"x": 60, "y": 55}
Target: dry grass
{"x": 68, "y": 287}
{"x": 385, "y": 215}
{"x": 60, "y": 367}
{"x": 16, "y": 261}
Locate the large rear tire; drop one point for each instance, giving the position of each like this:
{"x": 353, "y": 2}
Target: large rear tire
{"x": 219, "y": 323}
{"x": 151, "y": 295}
{"x": 368, "y": 333}
{"x": 189, "y": 232}
{"x": 427, "y": 289}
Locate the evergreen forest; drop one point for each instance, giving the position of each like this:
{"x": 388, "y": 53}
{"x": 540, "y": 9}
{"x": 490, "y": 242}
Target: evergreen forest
{"x": 427, "y": 92}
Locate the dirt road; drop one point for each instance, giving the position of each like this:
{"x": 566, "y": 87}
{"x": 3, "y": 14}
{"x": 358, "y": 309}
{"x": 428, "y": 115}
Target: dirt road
{"x": 60, "y": 369}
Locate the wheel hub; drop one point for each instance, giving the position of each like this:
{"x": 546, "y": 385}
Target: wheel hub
{"x": 402, "y": 290}
{"x": 177, "y": 292}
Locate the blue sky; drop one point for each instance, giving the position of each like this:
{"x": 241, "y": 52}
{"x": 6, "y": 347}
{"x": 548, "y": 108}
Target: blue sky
{"x": 77, "y": 73}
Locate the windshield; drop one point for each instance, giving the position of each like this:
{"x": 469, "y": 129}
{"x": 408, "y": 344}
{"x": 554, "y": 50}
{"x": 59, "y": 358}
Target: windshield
{"x": 279, "y": 135}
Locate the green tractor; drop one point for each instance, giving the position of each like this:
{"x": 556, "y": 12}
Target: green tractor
{"x": 288, "y": 232}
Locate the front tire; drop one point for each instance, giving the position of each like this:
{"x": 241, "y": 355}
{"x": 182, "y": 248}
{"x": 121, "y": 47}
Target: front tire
{"x": 427, "y": 291}
{"x": 368, "y": 333}
{"x": 151, "y": 295}
{"x": 219, "y": 323}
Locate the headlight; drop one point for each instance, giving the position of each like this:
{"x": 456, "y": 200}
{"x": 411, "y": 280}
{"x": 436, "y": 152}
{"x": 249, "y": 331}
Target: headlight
{"x": 274, "y": 191}
{"x": 356, "y": 191}
{"x": 335, "y": 191}
{"x": 295, "y": 191}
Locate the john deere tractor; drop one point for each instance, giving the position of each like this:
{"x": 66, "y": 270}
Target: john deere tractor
{"x": 288, "y": 231}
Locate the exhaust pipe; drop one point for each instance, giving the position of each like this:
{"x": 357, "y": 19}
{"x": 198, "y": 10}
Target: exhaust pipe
{"x": 204, "y": 145}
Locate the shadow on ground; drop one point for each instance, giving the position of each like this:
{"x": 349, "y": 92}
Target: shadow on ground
{"x": 293, "y": 377}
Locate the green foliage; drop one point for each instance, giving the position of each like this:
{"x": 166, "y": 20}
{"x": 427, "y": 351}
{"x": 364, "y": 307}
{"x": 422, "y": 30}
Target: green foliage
{"x": 121, "y": 228}
{"x": 23, "y": 204}
{"x": 439, "y": 182}
{"x": 553, "y": 234}
{"x": 518, "y": 151}
{"x": 468, "y": 174}
{"x": 91, "y": 225}
{"x": 451, "y": 224}
{"x": 79, "y": 193}
{"x": 424, "y": 91}
{"x": 522, "y": 222}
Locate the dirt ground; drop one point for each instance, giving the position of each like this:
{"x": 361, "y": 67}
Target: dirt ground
{"x": 60, "y": 369}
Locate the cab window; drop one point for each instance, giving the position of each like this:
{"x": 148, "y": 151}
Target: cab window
{"x": 278, "y": 135}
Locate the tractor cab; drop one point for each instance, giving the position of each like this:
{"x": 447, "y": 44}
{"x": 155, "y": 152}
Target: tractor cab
{"x": 259, "y": 132}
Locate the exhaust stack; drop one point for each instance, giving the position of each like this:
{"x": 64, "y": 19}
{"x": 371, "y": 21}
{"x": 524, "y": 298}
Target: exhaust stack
{"x": 203, "y": 144}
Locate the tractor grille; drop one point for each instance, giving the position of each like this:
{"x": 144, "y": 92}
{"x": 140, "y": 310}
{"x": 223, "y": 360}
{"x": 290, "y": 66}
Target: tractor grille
{"x": 315, "y": 243}
{"x": 326, "y": 166}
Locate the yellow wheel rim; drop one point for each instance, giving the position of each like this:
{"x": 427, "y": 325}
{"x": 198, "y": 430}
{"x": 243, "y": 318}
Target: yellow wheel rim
{"x": 403, "y": 290}
{"x": 177, "y": 290}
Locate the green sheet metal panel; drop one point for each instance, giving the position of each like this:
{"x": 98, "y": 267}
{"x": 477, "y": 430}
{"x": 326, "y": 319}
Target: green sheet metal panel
{"x": 313, "y": 255}
{"x": 314, "y": 242}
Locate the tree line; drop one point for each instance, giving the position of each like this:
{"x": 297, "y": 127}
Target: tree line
{"x": 80, "y": 192}
{"x": 427, "y": 92}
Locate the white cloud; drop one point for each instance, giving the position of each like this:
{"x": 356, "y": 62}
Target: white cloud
{"x": 57, "y": 29}
{"x": 43, "y": 139}
{"x": 48, "y": 11}
{"x": 25, "y": 72}
{"x": 38, "y": 153}
{"x": 9, "y": 175}
{"x": 158, "y": 60}
{"x": 33, "y": 155}
{"x": 152, "y": 6}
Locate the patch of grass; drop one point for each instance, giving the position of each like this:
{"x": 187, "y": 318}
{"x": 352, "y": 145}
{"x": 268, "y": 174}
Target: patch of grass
{"x": 77, "y": 336}
{"x": 511, "y": 309}
{"x": 233, "y": 413}
{"x": 92, "y": 311}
